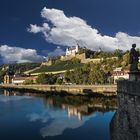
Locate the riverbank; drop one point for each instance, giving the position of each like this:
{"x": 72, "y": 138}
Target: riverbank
{"x": 107, "y": 90}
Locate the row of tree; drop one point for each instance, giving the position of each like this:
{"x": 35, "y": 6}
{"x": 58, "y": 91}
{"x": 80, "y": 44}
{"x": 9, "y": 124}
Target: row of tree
{"x": 86, "y": 75}
{"x": 48, "y": 79}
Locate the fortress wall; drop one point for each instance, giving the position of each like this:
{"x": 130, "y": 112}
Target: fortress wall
{"x": 91, "y": 60}
{"x": 81, "y": 56}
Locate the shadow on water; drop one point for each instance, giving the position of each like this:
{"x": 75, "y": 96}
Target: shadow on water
{"x": 125, "y": 124}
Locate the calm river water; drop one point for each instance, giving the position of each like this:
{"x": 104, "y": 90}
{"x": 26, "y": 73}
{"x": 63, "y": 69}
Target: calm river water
{"x": 26, "y": 116}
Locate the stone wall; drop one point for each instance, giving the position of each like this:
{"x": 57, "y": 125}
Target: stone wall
{"x": 69, "y": 57}
{"x": 108, "y": 90}
{"x": 128, "y": 87}
{"x": 95, "y": 60}
{"x": 125, "y": 124}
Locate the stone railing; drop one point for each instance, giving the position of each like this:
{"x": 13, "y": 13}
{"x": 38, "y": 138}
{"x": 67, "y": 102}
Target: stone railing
{"x": 129, "y": 87}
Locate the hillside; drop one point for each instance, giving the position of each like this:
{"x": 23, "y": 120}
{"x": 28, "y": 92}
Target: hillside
{"x": 59, "y": 66}
{"x": 16, "y": 68}
{"x": 23, "y": 67}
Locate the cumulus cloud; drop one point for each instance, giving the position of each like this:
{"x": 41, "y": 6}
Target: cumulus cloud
{"x": 19, "y": 55}
{"x": 66, "y": 31}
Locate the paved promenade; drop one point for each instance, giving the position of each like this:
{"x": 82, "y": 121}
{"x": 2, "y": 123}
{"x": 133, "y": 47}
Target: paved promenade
{"x": 107, "y": 90}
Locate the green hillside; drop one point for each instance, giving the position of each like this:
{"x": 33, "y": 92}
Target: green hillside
{"x": 59, "y": 66}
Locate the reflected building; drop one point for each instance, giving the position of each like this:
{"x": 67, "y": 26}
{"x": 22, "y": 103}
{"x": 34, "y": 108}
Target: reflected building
{"x": 125, "y": 124}
{"x": 78, "y": 107}
{"x": 6, "y": 93}
{"x": 73, "y": 111}
{"x": 9, "y": 93}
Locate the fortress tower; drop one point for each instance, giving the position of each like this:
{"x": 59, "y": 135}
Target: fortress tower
{"x": 72, "y": 51}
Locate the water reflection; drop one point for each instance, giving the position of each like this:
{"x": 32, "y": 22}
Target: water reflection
{"x": 80, "y": 106}
{"x": 69, "y": 112}
{"x": 12, "y": 97}
{"x": 56, "y": 115}
{"x": 125, "y": 124}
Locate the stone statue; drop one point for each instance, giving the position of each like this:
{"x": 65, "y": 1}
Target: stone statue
{"x": 134, "y": 58}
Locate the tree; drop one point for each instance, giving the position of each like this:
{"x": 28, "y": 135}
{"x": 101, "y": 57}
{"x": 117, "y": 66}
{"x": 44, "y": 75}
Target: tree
{"x": 118, "y": 53}
{"x": 59, "y": 81}
{"x": 46, "y": 79}
{"x": 97, "y": 75}
{"x": 111, "y": 80}
{"x": 41, "y": 79}
{"x": 28, "y": 82}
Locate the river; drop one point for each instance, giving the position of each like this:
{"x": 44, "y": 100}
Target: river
{"x": 26, "y": 116}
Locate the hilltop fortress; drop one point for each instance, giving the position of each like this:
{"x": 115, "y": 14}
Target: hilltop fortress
{"x": 81, "y": 53}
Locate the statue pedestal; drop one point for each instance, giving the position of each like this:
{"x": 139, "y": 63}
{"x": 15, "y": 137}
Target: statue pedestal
{"x": 131, "y": 86}
{"x": 134, "y": 76}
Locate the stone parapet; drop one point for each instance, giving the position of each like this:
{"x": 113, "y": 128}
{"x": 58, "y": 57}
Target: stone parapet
{"x": 128, "y": 87}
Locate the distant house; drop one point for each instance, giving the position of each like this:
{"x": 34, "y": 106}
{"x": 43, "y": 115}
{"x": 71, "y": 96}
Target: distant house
{"x": 21, "y": 80}
{"x": 13, "y": 79}
{"x": 8, "y": 79}
{"x": 118, "y": 73}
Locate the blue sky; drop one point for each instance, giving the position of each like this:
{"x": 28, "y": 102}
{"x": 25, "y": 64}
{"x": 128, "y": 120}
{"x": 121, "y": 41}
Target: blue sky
{"x": 107, "y": 24}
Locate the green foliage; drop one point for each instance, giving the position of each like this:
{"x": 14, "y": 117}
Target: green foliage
{"x": 41, "y": 79}
{"x": 88, "y": 74}
{"x": 81, "y": 50}
{"x": 46, "y": 79}
{"x": 118, "y": 53}
{"x": 74, "y": 61}
{"x": 125, "y": 60}
{"x": 21, "y": 67}
{"x": 28, "y": 82}
{"x": 111, "y": 80}
{"x": 89, "y": 53}
{"x": 97, "y": 75}
{"x": 138, "y": 65}
{"x": 2, "y": 73}
{"x": 60, "y": 66}
{"x": 59, "y": 81}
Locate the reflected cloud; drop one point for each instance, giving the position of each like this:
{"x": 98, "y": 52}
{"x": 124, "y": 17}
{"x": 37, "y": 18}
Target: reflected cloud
{"x": 57, "y": 121}
{"x": 43, "y": 117}
{"x": 68, "y": 113}
{"x": 58, "y": 126}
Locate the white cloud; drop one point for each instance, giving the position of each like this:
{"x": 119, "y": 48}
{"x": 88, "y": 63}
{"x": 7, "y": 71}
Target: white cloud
{"x": 66, "y": 31}
{"x": 19, "y": 55}
{"x": 57, "y": 52}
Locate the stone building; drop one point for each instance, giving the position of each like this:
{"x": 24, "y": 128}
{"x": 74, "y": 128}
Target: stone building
{"x": 21, "y": 80}
{"x": 118, "y": 73}
{"x": 8, "y": 79}
{"x": 72, "y": 51}
{"x": 13, "y": 79}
